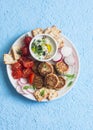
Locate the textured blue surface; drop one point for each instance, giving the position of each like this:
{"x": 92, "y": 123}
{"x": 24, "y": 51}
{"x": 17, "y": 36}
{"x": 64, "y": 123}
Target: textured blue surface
{"x": 74, "y": 111}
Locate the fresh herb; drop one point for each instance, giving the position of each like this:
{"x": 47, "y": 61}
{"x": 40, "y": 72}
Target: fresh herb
{"x": 26, "y": 87}
{"x": 38, "y": 40}
{"x": 43, "y": 40}
{"x": 42, "y": 92}
{"x": 70, "y": 83}
{"x": 44, "y": 65}
{"x": 29, "y": 87}
{"x": 70, "y": 76}
{"x": 44, "y": 53}
{"x": 34, "y": 87}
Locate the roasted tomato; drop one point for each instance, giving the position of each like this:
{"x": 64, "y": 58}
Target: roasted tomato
{"x": 27, "y": 40}
{"x": 25, "y": 51}
{"x": 28, "y": 64}
{"x": 17, "y": 74}
{"x": 16, "y": 66}
{"x": 31, "y": 78}
{"x": 27, "y": 72}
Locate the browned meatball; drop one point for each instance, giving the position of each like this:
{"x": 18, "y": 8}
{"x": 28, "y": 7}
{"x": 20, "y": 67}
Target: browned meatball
{"x": 35, "y": 67}
{"x": 51, "y": 81}
{"x": 61, "y": 83}
{"x": 61, "y": 67}
{"x": 38, "y": 81}
{"x": 45, "y": 68}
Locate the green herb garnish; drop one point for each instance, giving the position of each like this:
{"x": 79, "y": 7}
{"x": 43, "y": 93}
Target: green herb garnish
{"x": 70, "y": 83}
{"x": 70, "y": 76}
{"x": 43, "y": 40}
{"x": 42, "y": 92}
{"x": 34, "y": 87}
{"x": 26, "y": 87}
{"x": 38, "y": 40}
{"x": 29, "y": 87}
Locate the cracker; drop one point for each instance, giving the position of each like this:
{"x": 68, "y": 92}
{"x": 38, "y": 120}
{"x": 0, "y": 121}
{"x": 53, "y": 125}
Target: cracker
{"x": 41, "y": 94}
{"x": 52, "y": 94}
{"x": 37, "y": 31}
{"x": 8, "y": 59}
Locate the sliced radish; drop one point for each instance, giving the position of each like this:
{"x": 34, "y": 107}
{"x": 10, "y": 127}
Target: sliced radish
{"x": 23, "y": 80}
{"x": 66, "y": 51}
{"x": 19, "y": 83}
{"x": 30, "y": 91}
{"x": 57, "y": 57}
{"x": 69, "y": 60}
{"x": 26, "y": 92}
{"x": 19, "y": 89}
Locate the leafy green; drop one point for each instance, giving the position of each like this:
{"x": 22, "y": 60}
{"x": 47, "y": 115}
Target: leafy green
{"x": 70, "y": 76}
{"x": 42, "y": 92}
{"x": 70, "y": 83}
{"x": 34, "y": 87}
{"x": 26, "y": 87}
{"x": 29, "y": 87}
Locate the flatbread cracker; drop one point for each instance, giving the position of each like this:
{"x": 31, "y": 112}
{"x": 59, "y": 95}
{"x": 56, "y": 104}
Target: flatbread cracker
{"x": 37, "y": 31}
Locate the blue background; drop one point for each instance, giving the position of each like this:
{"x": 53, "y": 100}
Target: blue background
{"x": 74, "y": 111}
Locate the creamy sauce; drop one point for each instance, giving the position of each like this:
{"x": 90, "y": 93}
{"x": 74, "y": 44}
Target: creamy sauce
{"x": 43, "y": 48}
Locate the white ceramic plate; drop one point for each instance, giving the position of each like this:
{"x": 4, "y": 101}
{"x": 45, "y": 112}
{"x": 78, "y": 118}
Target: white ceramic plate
{"x": 73, "y": 69}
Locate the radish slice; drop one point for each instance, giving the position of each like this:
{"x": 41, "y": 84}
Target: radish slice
{"x": 19, "y": 89}
{"x": 23, "y": 80}
{"x": 20, "y": 84}
{"x": 26, "y": 92}
{"x": 57, "y": 57}
{"x": 30, "y": 91}
{"x": 66, "y": 51}
{"x": 69, "y": 60}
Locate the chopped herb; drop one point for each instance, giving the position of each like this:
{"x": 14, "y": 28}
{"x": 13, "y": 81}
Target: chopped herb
{"x": 43, "y": 40}
{"x": 70, "y": 83}
{"x": 38, "y": 40}
{"x": 42, "y": 92}
{"x": 44, "y": 65}
{"x": 44, "y": 53}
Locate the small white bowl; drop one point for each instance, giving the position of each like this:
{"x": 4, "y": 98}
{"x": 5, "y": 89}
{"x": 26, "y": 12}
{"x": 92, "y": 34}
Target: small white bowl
{"x": 54, "y": 46}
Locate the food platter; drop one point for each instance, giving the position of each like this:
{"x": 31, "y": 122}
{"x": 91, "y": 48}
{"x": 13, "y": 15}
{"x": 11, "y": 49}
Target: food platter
{"x": 70, "y": 76}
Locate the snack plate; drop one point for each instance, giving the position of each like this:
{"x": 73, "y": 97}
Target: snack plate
{"x": 72, "y": 69}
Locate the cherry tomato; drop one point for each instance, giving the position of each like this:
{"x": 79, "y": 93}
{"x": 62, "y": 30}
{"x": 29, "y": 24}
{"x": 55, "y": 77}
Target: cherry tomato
{"x": 28, "y": 64}
{"x": 31, "y": 78}
{"x": 27, "y": 40}
{"x": 17, "y": 74}
{"x": 25, "y": 51}
{"x": 27, "y": 72}
{"x": 16, "y": 66}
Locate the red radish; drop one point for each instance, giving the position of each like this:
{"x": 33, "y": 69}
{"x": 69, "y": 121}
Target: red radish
{"x": 19, "y": 89}
{"x": 30, "y": 91}
{"x": 66, "y": 51}
{"x": 20, "y": 83}
{"x": 69, "y": 60}
{"x": 26, "y": 92}
{"x": 23, "y": 80}
{"x": 57, "y": 57}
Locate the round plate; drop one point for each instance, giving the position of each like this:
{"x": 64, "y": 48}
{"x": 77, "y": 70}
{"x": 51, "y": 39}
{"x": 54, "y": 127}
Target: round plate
{"x": 72, "y": 70}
